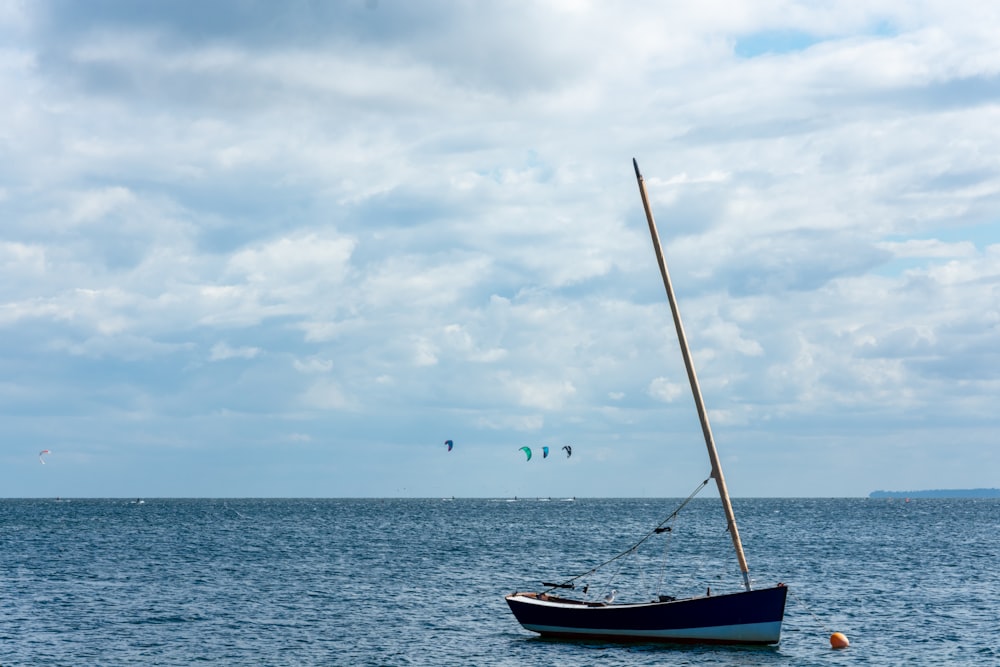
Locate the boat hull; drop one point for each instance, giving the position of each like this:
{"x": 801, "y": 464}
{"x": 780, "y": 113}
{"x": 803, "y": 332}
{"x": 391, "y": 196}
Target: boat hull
{"x": 751, "y": 617}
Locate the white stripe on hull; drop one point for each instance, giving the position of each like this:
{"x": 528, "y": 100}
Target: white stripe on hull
{"x": 763, "y": 633}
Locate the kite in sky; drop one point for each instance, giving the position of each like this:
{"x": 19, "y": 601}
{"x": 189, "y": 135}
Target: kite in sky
{"x": 41, "y": 456}
{"x": 450, "y": 444}
{"x": 527, "y": 452}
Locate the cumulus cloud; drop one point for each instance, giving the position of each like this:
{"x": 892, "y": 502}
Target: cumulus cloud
{"x": 664, "y": 390}
{"x": 384, "y": 224}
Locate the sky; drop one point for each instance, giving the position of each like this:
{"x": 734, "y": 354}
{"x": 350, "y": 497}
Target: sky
{"x": 257, "y": 249}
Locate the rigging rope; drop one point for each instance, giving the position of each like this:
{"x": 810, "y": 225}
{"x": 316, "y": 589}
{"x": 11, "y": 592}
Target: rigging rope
{"x": 659, "y": 528}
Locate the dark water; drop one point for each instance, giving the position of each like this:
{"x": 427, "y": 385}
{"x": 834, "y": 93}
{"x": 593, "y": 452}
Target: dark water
{"x": 421, "y": 582}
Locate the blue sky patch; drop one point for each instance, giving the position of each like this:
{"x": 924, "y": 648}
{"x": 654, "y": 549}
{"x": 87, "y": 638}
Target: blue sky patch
{"x": 773, "y": 42}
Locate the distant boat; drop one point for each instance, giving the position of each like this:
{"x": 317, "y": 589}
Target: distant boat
{"x": 744, "y": 617}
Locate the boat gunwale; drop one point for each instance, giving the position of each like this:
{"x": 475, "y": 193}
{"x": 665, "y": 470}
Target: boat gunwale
{"x": 544, "y": 599}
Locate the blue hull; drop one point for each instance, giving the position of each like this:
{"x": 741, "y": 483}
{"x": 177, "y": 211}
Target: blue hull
{"x": 752, "y": 617}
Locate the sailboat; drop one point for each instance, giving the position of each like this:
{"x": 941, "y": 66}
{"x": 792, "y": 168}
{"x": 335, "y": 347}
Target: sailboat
{"x": 748, "y": 616}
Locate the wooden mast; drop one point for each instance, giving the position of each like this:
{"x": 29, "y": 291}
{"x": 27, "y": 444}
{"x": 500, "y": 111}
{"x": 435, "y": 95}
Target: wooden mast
{"x": 706, "y": 429}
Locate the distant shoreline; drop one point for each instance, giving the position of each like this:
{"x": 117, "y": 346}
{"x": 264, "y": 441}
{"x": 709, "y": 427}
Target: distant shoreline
{"x": 938, "y": 493}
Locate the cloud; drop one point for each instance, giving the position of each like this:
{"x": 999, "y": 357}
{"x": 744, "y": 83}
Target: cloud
{"x": 924, "y": 248}
{"x": 222, "y": 351}
{"x": 231, "y": 223}
{"x": 327, "y": 394}
{"x": 458, "y": 338}
{"x": 425, "y": 353}
{"x": 538, "y": 393}
{"x": 313, "y": 365}
{"x": 664, "y": 390}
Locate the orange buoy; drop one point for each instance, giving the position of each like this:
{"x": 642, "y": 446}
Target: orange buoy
{"x": 839, "y": 640}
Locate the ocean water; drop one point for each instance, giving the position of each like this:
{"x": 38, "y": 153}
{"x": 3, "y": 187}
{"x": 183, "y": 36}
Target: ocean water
{"x": 421, "y": 582}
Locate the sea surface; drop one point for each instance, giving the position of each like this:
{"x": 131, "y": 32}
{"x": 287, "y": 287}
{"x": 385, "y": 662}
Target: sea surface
{"x": 421, "y": 582}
